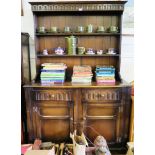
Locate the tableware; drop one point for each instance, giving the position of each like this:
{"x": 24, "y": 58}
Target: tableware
{"x": 89, "y": 28}
{"x": 80, "y": 29}
{"x": 111, "y": 51}
{"x": 101, "y": 29}
{"x": 90, "y": 51}
{"x": 81, "y": 50}
{"x": 53, "y": 29}
{"x": 99, "y": 52}
{"x": 113, "y": 29}
{"x": 45, "y": 52}
{"x": 67, "y": 29}
{"x": 41, "y": 29}
{"x": 71, "y": 44}
{"x": 59, "y": 51}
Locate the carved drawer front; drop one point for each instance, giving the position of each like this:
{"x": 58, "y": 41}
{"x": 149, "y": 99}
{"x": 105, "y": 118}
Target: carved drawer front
{"x": 101, "y": 95}
{"x": 54, "y": 95}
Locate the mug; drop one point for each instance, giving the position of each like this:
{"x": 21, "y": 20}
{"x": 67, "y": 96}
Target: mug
{"x": 90, "y": 28}
{"x": 41, "y": 29}
{"x": 81, "y": 50}
{"x": 80, "y": 29}
{"x": 53, "y": 29}
{"x": 66, "y": 29}
{"x": 113, "y": 28}
{"x": 101, "y": 28}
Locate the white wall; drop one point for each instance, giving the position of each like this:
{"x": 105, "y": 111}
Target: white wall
{"x": 127, "y": 57}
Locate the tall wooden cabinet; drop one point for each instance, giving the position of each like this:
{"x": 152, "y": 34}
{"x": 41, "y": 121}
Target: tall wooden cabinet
{"x": 53, "y": 111}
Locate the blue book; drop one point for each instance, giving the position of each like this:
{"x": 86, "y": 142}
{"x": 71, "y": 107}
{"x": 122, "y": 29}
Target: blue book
{"x": 51, "y": 71}
{"x": 105, "y": 75}
{"x": 105, "y": 72}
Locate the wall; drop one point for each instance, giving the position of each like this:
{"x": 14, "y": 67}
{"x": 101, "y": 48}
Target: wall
{"x": 127, "y": 57}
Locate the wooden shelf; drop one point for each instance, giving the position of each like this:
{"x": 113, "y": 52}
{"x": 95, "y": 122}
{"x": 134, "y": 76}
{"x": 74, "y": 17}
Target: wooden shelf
{"x": 95, "y": 55}
{"x": 77, "y": 34}
{"x": 72, "y": 85}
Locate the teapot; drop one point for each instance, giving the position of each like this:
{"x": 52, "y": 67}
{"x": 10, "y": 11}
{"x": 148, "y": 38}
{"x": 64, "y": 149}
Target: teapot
{"x": 59, "y": 51}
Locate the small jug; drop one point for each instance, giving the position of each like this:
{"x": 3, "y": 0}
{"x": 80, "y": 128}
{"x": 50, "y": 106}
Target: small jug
{"x": 45, "y": 52}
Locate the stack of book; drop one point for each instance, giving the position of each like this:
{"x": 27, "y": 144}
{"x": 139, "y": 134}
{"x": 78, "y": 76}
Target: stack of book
{"x": 105, "y": 74}
{"x": 53, "y": 73}
{"x": 82, "y": 74}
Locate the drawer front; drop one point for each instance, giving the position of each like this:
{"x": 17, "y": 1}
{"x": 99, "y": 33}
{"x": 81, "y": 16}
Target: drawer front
{"x": 101, "y": 95}
{"x": 52, "y": 95}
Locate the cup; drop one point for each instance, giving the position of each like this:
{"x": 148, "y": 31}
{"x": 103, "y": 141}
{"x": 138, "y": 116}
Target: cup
{"x": 53, "y": 29}
{"x": 111, "y": 51}
{"x": 41, "y": 29}
{"x": 66, "y": 29}
{"x": 90, "y": 51}
{"x": 99, "y": 52}
{"x": 80, "y": 29}
{"x": 101, "y": 29}
{"x": 81, "y": 50}
{"x": 113, "y": 29}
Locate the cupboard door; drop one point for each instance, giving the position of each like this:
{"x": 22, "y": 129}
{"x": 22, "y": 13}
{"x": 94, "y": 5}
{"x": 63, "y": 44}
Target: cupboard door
{"x": 102, "y": 119}
{"x": 54, "y": 121}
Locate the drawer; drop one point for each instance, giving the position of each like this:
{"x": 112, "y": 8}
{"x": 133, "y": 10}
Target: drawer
{"x": 101, "y": 95}
{"x": 52, "y": 95}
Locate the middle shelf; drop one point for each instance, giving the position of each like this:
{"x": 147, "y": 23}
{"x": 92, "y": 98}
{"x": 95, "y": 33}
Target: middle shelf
{"x": 65, "y": 55}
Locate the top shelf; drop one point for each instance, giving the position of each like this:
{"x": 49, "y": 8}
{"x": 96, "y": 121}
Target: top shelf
{"x": 77, "y": 34}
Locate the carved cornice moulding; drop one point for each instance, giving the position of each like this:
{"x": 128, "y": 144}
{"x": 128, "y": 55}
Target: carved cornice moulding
{"x": 78, "y": 6}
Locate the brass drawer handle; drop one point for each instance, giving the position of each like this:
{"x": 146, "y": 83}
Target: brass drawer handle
{"x": 101, "y": 117}
{"x": 52, "y": 95}
{"x": 53, "y": 117}
{"x": 84, "y": 118}
{"x": 102, "y": 95}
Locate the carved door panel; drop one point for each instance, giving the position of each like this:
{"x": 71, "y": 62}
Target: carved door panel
{"x": 54, "y": 120}
{"x": 102, "y": 119}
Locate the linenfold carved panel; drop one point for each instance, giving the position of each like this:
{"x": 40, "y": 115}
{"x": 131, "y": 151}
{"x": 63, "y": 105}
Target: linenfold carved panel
{"x": 78, "y": 7}
{"x": 52, "y": 95}
{"x": 101, "y": 95}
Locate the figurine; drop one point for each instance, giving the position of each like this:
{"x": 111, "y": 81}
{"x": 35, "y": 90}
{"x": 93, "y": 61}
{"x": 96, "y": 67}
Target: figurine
{"x": 101, "y": 147}
{"x": 37, "y": 144}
